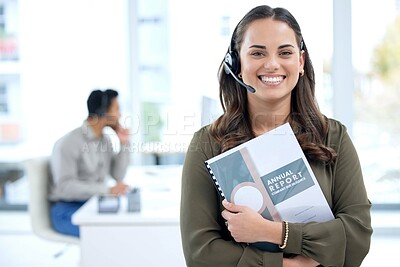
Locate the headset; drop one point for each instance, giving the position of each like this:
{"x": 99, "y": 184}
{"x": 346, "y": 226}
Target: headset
{"x": 232, "y": 60}
{"x": 102, "y": 110}
{"x": 232, "y": 63}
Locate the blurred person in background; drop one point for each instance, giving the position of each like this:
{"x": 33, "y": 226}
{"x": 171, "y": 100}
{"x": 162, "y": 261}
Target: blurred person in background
{"x": 83, "y": 158}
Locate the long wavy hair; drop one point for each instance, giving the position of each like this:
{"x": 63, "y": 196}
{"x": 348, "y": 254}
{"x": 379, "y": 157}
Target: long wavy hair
{"x": 309, "y": 124}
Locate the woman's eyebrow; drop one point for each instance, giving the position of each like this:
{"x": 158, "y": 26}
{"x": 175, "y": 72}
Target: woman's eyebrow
{"x": 264, "y": 47}
{"x": 258, "y": 46}
{"x": 286, "y": 45}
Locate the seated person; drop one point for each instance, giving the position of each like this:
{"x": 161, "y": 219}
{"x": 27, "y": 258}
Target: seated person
{"x": 83, "y": 158}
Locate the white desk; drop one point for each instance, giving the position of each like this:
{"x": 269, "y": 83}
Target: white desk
{"x": 148, "y": 238}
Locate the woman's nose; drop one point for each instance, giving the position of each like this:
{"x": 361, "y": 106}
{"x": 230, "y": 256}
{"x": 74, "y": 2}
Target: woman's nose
{"x": 271, "y": 63}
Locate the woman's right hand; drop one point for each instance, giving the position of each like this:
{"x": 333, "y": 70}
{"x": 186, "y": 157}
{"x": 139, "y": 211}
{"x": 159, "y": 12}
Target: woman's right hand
{"x": 248, "y": 226}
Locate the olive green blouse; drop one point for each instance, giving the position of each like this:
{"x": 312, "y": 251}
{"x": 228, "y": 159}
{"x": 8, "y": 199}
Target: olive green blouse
{"x": 344, "y": 241}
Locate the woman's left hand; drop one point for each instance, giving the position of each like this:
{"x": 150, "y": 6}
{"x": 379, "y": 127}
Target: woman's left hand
{"x": 245, "y": 224}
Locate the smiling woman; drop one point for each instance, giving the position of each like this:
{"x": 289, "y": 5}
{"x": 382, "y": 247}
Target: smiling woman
{"x": 271, "y": 65}
{"x": 268, "y": 53}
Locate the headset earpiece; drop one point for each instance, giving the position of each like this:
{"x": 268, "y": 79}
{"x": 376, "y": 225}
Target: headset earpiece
{"x": 232, "y": 60}
{"x": 301, "y": 45}
{"x": 232, "y": 64}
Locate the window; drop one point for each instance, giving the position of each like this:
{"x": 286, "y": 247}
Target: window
{"x": 376, "y": 98}
{"x": 194, "y": 56}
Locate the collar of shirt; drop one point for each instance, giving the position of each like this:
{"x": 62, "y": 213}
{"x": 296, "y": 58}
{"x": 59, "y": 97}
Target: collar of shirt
{"x": 88, "y": 132}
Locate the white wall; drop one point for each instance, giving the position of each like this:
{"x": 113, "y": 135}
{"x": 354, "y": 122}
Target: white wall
{"x": 68, "y": 48}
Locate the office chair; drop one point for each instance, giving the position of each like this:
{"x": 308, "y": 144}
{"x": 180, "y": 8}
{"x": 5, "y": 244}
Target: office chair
{"x": 38, "y": 173}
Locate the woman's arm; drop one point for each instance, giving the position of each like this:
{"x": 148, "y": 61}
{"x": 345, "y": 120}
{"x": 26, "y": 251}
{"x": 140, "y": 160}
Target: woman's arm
{"x": 344, "y": 241}
{"x": 246, "y": 225}
{"x": 205, "y": 238}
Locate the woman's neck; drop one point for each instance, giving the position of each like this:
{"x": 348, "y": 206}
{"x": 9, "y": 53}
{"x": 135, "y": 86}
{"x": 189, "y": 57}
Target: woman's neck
{"x": 264, "y": 117}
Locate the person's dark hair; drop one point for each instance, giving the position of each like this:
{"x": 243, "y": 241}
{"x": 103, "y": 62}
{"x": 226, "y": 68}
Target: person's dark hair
{"x": 309, "y": 124}
{"x": 100, "y": 101}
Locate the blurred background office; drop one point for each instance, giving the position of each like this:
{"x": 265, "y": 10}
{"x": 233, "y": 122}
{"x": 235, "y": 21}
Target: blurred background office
{"x": 162, "y": 56}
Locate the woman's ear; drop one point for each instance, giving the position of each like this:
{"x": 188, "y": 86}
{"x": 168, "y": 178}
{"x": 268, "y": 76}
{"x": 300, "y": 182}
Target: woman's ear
{"x": 302, "y": 59}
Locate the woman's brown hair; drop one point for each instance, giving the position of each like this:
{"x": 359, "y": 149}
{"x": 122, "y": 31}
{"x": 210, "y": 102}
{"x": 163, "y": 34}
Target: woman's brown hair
{"x": 309, "y": 124}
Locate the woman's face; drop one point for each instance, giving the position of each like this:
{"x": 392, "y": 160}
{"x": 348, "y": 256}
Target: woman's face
{"x": 270, "y": 59}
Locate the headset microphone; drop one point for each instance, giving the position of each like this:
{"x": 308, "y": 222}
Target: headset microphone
{"x": 229, "y": 71}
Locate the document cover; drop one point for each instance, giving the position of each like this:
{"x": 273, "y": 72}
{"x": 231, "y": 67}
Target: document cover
{"x": 271, "y": 175}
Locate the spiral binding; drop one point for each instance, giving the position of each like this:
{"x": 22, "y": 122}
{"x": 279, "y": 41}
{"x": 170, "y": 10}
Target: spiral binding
{"x": 214, "y": 179}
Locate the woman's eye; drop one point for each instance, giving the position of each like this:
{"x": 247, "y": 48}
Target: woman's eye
{"x": 257, "y": 54}
{"x": 286, "y": 53}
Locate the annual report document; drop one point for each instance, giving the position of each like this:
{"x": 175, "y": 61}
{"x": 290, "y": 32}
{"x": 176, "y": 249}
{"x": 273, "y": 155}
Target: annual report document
{"x": 271, "y": 175}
